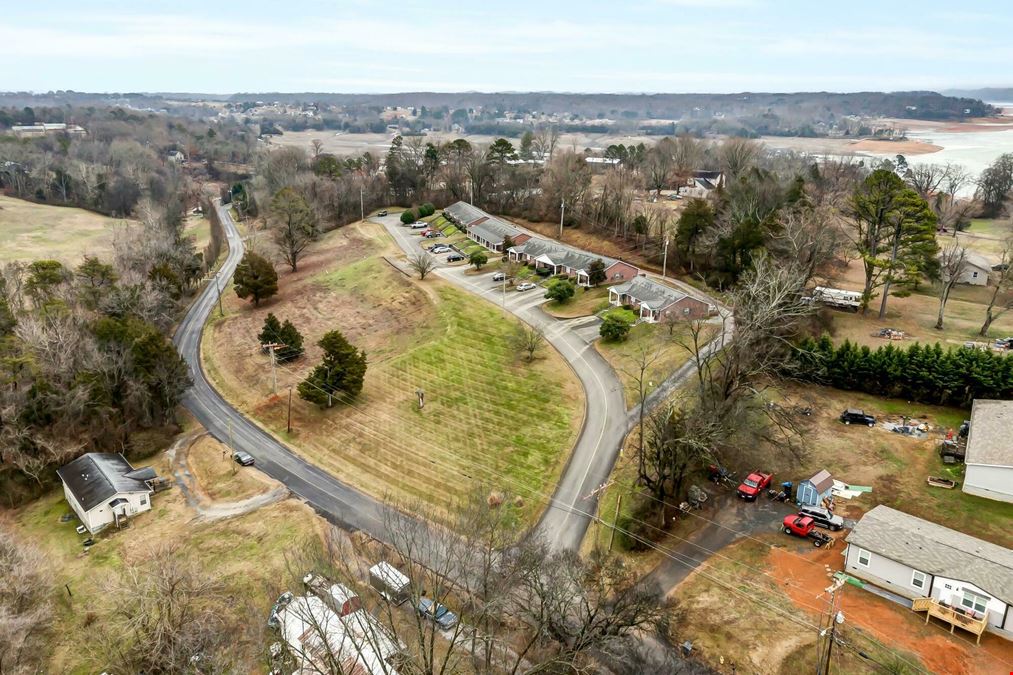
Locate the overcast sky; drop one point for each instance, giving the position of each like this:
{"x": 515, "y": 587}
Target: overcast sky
{"x": 520, "y": 45}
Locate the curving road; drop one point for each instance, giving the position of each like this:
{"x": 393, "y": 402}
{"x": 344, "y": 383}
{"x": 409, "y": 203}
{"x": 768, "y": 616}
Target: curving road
{"x": 563, "y": 524}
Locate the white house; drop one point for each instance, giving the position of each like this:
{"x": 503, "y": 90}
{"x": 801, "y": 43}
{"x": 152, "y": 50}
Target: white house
{"x": 989, "y": 456}
{"x": 948, "y": 574}
{"x": 976, "y": 269}
{"x": 702, "y": 183}
{"x": 104, "y": 489}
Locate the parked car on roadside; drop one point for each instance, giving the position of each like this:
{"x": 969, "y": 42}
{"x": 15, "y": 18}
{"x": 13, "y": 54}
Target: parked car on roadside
{"x": 526, "y": 286}
{"x": 499, "y": 276}
{"x": 822, "y": 517}
{"x": 455, "y": 257}
{"x": 856, "y": 416}
{"x": 382, "y": 213}
{"x": 243, "y": 458}
{"x": 437, "y": 613}
{"x": 419, "y": 225}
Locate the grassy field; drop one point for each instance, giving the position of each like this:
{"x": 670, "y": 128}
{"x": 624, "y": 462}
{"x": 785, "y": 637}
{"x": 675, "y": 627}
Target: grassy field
{"x": 246, "y": 551}
{"x": 585, "y": 302}
{"x": 30, "y": 231}
{"x": 219, "y": 477}
{"x": 662, "y": 350}
{"x": 489, "y": 419}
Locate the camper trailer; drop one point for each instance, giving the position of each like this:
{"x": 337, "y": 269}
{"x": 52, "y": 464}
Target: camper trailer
{"x": 389, "y": 582}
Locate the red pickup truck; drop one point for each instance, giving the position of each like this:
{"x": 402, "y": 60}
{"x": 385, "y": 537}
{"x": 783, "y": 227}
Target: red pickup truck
{"x": 754, "y": 484}
{"x": 804, "y": 526}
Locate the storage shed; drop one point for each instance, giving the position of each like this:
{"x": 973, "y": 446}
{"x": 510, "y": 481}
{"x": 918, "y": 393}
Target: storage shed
{"x": 815, "y": 491}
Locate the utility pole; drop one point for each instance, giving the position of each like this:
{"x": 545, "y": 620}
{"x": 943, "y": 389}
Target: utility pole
{"x": 562, "y": 214}
{"x": 274, "y": 367}
{"x": 615, "y": 521}
{"x": 362, "y": 206}
{"x": 504, "y": 290}
{"x": 290, "y": 409}
{"x": 836, "y": 618}
{"x": 664, "y": 261}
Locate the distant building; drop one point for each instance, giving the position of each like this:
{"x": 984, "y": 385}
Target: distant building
{"x": 34, "y": 130}
{"x": 176, "y": 157}
{"x": 988, "y": 459}
{"x": 702, "y": 183}
{"x": 976, "y": 269}
{"x": 102, "y": 489}
{"x": 482, "y": 228}
{"x": 561, "y": 259}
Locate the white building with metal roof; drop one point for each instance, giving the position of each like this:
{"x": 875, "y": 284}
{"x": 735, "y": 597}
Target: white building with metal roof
{"x": 103, "y": 489}
{"x": 989, "y": 457}
{"x": 953, "y": 575}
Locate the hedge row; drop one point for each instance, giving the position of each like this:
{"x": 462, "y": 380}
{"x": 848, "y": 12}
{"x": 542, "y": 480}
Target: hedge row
{"x": 922, "y": 373}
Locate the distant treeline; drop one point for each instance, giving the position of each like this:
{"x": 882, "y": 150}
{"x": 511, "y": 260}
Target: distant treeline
{"x": 923, "y": 373}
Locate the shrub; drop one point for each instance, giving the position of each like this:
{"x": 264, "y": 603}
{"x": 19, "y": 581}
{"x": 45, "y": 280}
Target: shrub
{"x": 616, "y": 324}
{"x": 408, "y": 217}
{"x": 560, "y": 290}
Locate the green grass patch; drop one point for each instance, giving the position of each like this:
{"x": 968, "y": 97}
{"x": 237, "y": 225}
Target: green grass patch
{"x": 585, "y": 302}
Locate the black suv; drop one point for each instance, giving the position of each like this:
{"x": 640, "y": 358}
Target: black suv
{"x": 855, "y": 416}
{"x": 822, "y": 517}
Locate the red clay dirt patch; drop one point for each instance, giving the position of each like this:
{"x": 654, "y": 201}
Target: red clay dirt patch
{"x": 807, "y": 573}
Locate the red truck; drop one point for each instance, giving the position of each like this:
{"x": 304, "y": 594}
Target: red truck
{"x": 804, "y": 526}
{"x": 754, "y": 484}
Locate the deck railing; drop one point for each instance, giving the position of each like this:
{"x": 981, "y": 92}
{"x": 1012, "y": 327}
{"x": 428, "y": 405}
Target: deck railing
{"x": 955, "y": 618}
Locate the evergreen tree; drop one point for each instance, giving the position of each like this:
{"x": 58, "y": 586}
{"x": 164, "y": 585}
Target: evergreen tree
{"x": 339, "y": 375}
{"x": 292, "y": 339}
{"x": 271, "y": 332}
{"x": 255, "y": 278}
{"x": 596, "y": 272}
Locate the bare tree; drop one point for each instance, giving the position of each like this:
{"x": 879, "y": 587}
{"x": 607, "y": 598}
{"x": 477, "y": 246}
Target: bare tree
{"x": 808, "y": 239}
{"x": 293, "y": 225}
{"x": 423, "y": 263}
{"x": 164, "y": 615}
{"x": 527, "y": 339}
{"x": 642, "y": 360}
{"x": 1001, "y": 300}
{"x": 25, "y": 605}
{"x": 952, "y": 263}
{"x": 737, "y": 155}
{"x": 318, "y": 146}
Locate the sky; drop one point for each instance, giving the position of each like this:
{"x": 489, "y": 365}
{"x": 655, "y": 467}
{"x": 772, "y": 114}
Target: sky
{"x": 520, "y": 45}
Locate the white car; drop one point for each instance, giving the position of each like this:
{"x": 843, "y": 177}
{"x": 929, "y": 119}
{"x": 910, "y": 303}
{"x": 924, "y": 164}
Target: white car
{"x": 418, "y": 225}
{"x": 526, "y": 286}
{"x": 499, "y": 276}
{"x": 439, "y": 248}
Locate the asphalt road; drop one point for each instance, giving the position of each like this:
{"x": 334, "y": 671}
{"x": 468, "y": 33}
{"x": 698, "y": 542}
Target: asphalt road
{"x": 606, "y": 420}
{"x": 333, "y": 499}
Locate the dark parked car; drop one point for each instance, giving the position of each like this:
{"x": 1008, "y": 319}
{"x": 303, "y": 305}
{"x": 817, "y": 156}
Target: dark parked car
{"x": 242, "y": 457}
{"x": 434, "y": 611}
{"x": 454, "y": 257}
{"x": 499, "y": 276}
{"x": 855, "y": 416}
{"x": 822, "y": 517}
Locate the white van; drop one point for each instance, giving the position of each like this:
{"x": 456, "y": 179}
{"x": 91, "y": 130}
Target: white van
{"x": 389, "y": 582}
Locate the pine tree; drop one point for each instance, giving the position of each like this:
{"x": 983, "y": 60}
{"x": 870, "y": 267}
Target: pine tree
{"x": 292, "y": 341}
{"x": 271, "y": 331}
{"x": 255, "y": 278}
{"x": 339, "y": 375}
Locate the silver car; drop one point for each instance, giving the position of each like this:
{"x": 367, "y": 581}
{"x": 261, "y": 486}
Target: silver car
{"x": 526, "y": 286}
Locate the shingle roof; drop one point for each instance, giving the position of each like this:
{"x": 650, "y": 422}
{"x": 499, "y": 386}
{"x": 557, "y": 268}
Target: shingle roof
{"x": 464, "y": 213}
{"x": 97, "y": 476}
{"x": 935, "y": 549}
{"x": 494, "y": 230}
{"x": 988, "y": 441}
{"x": 560, "y": 254}
{"x": 822, "y": 481}
{"x": 655, "y": 295}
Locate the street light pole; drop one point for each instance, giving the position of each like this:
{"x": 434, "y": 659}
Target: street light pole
{"x": 562, "y": 214}
{"x": 664, "y": 262}
{"x": 221, "y": 310}
{"x": 362, "y": 206}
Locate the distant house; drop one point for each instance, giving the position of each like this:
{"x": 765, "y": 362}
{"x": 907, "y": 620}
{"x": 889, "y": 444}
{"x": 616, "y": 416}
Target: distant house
{"x": 34, "y": 130}
{"x": 988, "y": 459}
{"x": 656, "y": 301}
{"x": 947, "y": 574}
{"x": 482, "y": 228}
{"x": 702, "y": 183}
{"x": 330, "y": 629}
{"x": 815, "y": 491}
{"x": 102, "y": 489}
{"x": 176, "y": 157}
{"x": 561, "y": 259}
{"x": 976, "y": 269}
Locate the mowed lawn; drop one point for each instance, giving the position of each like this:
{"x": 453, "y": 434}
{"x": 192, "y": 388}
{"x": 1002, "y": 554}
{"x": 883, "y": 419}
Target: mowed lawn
{"x": 490, "y": 420}
{"x": 30, "y": 231}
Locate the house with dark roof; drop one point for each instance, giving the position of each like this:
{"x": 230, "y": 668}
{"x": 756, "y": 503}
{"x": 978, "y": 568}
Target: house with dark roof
{"x": 947, "y": 574}
{"x": 482, "y": 228}
{"x": 702, "y": 183}
{"x": 656, "y": 301}
{"x": 102, "y": 489}
{"x": 989, "y": 457}
{"x": 561, "y": 259}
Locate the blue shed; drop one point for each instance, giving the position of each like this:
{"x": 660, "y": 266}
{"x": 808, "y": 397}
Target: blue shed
{"x": 813, "y": 491}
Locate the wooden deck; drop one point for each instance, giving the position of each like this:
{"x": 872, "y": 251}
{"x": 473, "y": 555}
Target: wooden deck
{"x": 951, "y": 616}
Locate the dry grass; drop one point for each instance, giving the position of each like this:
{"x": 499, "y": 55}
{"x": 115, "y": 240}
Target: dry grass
{"x": 896, "y": 466}
{"x": 30, "y": 231}
{"x": 219, "y": 477}
{"x": 662, "y": 350}
{"x": 489, "y": 418}
{"x": 245, "y": 550}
